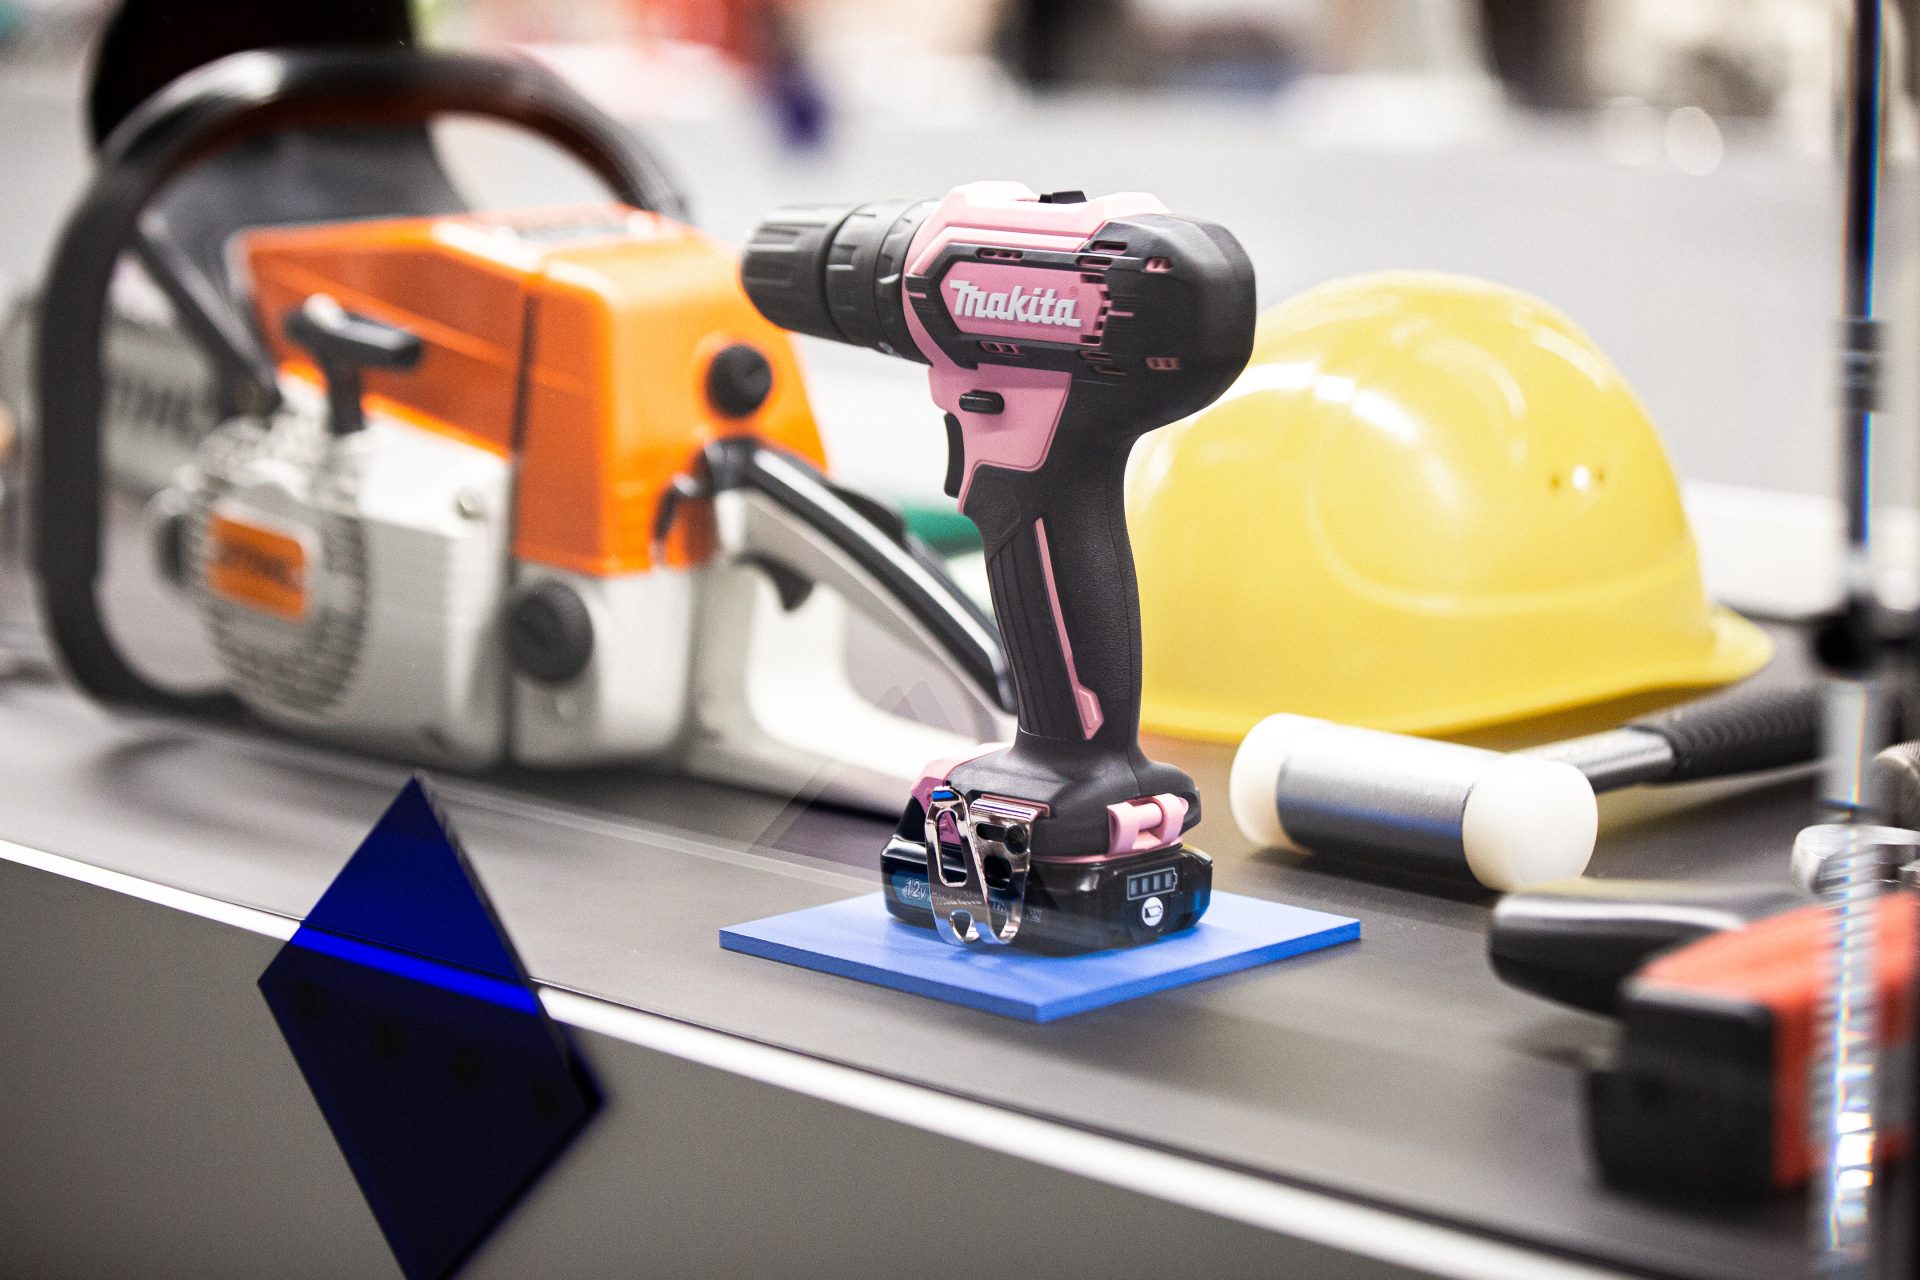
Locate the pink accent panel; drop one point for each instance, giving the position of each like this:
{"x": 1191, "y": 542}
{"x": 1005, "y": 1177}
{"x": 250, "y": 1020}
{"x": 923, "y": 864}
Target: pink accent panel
{"x": 1009, "y": 215}
{"x": 1085, "y": 700}
{"x": 935, "y": 773}
{"x": 1141, "y": 826}
{"x": 1126, "y": 819}
{"x": 1019, "y": 436}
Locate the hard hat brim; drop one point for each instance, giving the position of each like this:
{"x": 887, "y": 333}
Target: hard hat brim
{"x": 1737, "y": 650}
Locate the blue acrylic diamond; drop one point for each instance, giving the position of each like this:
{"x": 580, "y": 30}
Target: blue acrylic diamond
{"x": 447, "y": 1086}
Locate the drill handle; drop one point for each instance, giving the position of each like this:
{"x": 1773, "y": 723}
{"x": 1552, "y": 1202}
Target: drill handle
{"x": 1061, "y": 571}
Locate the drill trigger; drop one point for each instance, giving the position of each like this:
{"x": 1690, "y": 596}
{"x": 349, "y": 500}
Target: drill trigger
{"x": 956, "y": 457}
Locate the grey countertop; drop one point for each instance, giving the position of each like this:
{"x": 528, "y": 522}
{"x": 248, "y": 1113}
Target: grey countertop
{"x": 1396, "y": 1071}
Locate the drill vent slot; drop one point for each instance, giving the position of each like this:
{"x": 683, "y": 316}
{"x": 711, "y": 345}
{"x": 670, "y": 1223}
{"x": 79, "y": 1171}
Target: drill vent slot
{"x": 1000, "y": 255}
{"x": 1093, "y": 262}
{"x": 1108, "y": 246}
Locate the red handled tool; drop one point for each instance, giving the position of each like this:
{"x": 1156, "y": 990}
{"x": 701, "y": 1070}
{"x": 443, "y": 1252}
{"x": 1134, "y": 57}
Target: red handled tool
{"x": 1718, "y": 990}
{"x": 1709, "y": 1090}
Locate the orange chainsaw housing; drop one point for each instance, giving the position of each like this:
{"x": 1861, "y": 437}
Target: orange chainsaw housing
{"x": 1717, "y": 1051}
{"x": 574, "y": 341}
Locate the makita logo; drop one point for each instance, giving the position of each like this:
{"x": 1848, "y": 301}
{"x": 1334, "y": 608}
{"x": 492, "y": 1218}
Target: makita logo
{"x": 1042, "y": 306}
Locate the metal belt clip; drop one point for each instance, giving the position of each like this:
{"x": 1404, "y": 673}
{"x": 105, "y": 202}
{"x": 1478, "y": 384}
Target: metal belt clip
{"x": 978, "y": 856}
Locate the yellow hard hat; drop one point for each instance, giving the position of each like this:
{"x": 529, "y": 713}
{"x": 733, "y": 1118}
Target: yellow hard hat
{"x": 1429, "y": 504}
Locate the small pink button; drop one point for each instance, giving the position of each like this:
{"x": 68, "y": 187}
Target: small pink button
{"x": 1141, "y": 826}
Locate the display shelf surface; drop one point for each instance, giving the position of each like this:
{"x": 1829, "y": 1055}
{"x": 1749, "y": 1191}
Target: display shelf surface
{"x": 1395, "y": 1071}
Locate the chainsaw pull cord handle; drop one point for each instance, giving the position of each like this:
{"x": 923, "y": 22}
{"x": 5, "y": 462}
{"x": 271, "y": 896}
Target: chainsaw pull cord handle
{"x": 209, "y": 109}
{"x": 342, "y": 344}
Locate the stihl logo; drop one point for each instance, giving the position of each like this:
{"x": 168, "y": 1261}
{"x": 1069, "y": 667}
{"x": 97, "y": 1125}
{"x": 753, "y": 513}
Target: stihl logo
{"x": 1042, "y": 306}
{"x": 257, "y": 567}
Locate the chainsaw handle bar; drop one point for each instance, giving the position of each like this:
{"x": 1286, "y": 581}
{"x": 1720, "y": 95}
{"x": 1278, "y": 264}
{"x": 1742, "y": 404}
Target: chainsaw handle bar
{"x": 875, "y": 542}
{"x": 208, "y": 110}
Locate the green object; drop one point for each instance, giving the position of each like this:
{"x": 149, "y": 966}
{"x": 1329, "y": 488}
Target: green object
{"x": 941, "y": 527}
{"x": 436, "y": 22}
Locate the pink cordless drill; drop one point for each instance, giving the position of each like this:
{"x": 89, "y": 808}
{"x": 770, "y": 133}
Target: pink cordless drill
{"x": 1059, "y": 330}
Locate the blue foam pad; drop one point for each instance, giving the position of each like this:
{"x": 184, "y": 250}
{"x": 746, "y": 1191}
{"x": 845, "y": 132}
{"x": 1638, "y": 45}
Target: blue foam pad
{"x": 856, "y": 938}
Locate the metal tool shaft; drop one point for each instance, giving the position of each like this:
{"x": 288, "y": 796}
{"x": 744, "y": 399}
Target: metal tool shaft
{"x": 1614, "y": 759}
{"x": 1844, "y": 1084}
{"x": 1845, "y": 1075}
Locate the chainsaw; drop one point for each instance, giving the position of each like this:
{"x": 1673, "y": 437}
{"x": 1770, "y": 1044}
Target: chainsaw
{"x": 538, "y": 488}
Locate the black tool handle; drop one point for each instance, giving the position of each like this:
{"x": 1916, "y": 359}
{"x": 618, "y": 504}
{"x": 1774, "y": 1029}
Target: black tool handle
{"x": 1576, "y": 941}
{"x": 1742, "y": 732}
{"x": 1060, "y": 567}
{"x": 875, "y": 539}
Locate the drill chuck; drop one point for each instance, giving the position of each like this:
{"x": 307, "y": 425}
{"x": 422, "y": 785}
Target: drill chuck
{"x": 834, "y": 271}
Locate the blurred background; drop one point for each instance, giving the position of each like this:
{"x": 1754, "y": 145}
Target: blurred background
{"x": 1660, "y": 169}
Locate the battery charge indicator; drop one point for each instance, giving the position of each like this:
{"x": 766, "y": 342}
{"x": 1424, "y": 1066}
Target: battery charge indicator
{"x": 1148, "y": 883}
